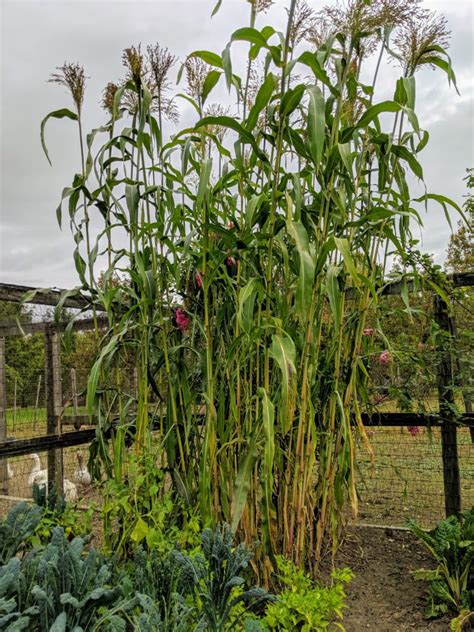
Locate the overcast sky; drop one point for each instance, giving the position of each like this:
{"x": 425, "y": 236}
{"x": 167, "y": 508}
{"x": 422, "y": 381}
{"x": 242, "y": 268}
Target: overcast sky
{"x": 37, "y": 36}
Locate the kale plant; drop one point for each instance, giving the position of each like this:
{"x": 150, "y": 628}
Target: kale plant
{"x": 214, "y": 581}
{"x": 59, "y": 587}
{"x": 156, "y": 581}
{"x": 17, "y": 528}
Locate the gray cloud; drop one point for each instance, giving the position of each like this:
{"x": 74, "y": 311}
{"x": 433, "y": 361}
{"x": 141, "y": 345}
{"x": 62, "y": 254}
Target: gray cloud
{"x": 39, "y": 35}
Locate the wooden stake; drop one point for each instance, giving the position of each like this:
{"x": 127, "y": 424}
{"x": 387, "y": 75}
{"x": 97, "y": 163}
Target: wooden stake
{"x": 3, "y": 416}
{"x": 452, "y": 485}
{"x": 38, "y": 390}
{"x": 53, "y": 387}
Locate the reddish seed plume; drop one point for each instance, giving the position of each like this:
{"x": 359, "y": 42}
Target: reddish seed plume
{"x": 182, "y": 320}
{"x": 414, "y": 430}
{"x": 384, "y": 358}
{"x": 198, "y": 279}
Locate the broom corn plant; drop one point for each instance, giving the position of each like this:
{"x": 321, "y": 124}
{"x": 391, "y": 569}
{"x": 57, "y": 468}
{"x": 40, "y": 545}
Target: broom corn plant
{"x": 249, "y": 249}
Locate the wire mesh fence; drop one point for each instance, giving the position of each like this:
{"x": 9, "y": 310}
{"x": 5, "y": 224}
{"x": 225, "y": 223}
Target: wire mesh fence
{"x": 26, "y": 471}
{"x": 404, "y": 479}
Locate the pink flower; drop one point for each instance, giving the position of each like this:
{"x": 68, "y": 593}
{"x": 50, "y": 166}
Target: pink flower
{"x": 414, "y": 430}
{"x": 182, "y": 320}
{"x": 384, "y": 358}
{"x": 230, "y": 261}
{"x": 198, "y": 279}
{"x": 368, "y": 331}
{"x": 230, "y": 225}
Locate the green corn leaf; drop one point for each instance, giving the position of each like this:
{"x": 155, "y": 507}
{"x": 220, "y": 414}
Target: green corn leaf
{"x": 128, "y": 85}
{"x": 291, "y": 100}
{"x": 248, "y": 34}
{"x": 210, "y": 82}
{"x": 264, "y": 95}
{"x": 268, "y": 509}
{"x": 409, "y": 83}
{"x": 213, "y": 59}
{"x": 226, "y": 121}
{"x": 247, "y": 297}
{"x": 334, "y": 294}
{"x": 343, "y": 246}
{"x": 373, "y": 112}
{"x": 444, "y": 202}
{"x": 316, "y": 124}
{"x": 408, "y": 157}
{"x": 105, "y": 355}
{"x": 346, "y": 156}
{"x": 133, "y": 199}
{"x": 203, "y": 182}
{"x": 216, "y": 8}
{"x": 311, "y": 60}
{"x": 227, "y": 65}
{"x": 57, "y": 114}
{"x": 283, "y": 352}
{"x": 304, "y": 285}
{"x": 244, "y": 477}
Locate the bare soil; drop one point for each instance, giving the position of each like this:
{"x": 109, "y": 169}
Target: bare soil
{"x": 383, "y": 596}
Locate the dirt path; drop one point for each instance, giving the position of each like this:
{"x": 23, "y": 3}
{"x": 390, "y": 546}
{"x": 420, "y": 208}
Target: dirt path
{"x": 383, "y": 596}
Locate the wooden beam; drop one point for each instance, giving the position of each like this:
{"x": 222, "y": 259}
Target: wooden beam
{"x": 386, "y": 420}
{"x": 10, "y": 328}
{"x": 48, "y": 296}
{"x": 19, "y": 447}
{"x": 414, "y": 419}
{"x": 43, "y": 296}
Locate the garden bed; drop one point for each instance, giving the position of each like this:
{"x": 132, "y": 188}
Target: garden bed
{"x": 383, "y": 596}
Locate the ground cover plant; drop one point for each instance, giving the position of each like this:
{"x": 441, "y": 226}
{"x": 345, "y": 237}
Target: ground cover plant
{"x": 243, "y": 255}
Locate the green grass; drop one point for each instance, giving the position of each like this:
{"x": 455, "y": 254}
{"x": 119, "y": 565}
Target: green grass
{"x": 26, "y": 422}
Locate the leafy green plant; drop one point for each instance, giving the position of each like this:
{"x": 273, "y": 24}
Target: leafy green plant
{"x": 305, "y": 605}
{"x": 138, "y": 512}
{"x": 59, "y": 587}
{"x": 451, "y": 543}
{"x": 17, "y": 528}
{"x": 155, "y": 577}
{"x": 57, "y": 513}
{"x": 213, "y": 579}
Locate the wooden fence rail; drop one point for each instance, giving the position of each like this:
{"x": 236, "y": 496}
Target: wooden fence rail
{"x": 19, "y": 447}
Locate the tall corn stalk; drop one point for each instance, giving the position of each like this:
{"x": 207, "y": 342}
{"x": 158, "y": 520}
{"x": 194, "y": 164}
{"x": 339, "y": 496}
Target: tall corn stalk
{"x": 247, "y": 264}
